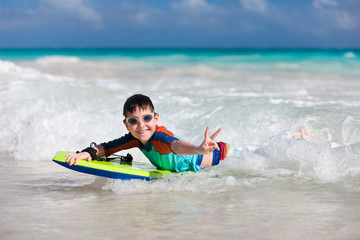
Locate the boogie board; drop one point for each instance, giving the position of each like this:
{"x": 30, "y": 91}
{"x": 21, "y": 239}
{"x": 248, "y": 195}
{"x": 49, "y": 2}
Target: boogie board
{"x": 113, "y": 169}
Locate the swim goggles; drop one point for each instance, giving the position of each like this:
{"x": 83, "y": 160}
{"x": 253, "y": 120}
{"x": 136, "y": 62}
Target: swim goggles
{"x": 146, "y": 118}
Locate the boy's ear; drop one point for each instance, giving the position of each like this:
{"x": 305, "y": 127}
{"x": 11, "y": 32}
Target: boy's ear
{"x": 156, "y": 117}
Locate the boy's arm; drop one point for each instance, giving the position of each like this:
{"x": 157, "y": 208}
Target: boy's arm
{"x": 185, "y": 148}
{"x": 74, "y": 158}
{"x": 105, "y": 149}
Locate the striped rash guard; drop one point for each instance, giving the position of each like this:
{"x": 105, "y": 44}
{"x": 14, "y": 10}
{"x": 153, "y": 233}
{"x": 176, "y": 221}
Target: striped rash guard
{"x": 157, "y": 150}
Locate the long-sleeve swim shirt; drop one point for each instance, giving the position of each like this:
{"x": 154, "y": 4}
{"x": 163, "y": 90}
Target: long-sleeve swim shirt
{"x": 157, "y": 150}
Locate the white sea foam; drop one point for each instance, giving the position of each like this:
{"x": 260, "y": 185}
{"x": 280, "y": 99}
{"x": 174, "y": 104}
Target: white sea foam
{"x": 9, "y": 68}
{"x": 48, "y": 60}
{"x": 349, "y": 55}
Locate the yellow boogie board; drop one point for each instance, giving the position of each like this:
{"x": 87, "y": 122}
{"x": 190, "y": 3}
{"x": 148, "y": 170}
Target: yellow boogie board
{"x": 109, "y": 169}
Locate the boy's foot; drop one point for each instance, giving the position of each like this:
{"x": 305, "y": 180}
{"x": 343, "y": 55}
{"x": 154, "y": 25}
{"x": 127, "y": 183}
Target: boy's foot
{"x": 305, "y": 133}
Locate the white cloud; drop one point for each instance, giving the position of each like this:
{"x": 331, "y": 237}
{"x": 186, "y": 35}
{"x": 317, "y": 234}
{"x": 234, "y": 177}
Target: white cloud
{"x": 199, "y": 14}
{"x": 17, "y": 19}
{"x": 194, "y": 5}
{"x": 76, "y": 7}
{"x": 321, "y": 3}
{"x": 331, "y": 13}
{"x": 134, "y": 14}
{"x": 258, "y": 6}
{"x": 141, "y": 17}
{"x": 47, "y": 12}
{"x": 344, "y": 20}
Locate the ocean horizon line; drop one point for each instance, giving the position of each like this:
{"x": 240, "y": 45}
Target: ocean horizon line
{"x": 182, "y": 48}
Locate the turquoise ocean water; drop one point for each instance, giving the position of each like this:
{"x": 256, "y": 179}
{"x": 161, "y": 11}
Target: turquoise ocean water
{"x": 280, "y": 188}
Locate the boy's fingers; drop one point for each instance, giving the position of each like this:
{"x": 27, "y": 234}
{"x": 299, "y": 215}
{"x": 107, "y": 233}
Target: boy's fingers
{"x": 217, "y": 147}
{"x": 72, "y": 159}
{"x": 214, "y": 146}
{"x": 215, "y": 134}
{"x": 76, "y": 160}
{"x": 68, "y": 158}
{"x": 207, "y": 132}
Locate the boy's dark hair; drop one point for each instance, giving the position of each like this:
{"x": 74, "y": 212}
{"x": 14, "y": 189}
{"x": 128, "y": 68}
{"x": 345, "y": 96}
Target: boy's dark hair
{"x": 137, "y": 100}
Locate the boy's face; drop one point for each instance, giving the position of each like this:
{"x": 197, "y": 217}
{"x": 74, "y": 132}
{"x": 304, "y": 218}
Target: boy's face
{"x": 142, "y": 130}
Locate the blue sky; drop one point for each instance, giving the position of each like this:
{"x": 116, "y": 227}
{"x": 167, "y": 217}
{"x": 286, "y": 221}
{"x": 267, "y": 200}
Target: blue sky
{"x": 180, "y": 23}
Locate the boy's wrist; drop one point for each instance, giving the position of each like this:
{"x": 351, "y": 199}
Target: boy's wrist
{"x": 91, "y": 151}
{"x": 199, "y": 150}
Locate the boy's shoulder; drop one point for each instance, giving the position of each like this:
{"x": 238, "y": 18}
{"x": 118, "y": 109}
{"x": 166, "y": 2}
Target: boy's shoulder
{"x": 162, "y": 131}
{"x": 162, "y": 139}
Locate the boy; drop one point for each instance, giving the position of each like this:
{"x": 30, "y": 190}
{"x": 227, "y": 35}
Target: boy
{"x": 160, "y": 146}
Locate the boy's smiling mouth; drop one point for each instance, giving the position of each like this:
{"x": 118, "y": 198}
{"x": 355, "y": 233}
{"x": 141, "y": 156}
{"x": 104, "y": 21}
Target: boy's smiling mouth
{"x": 143, "y": 131}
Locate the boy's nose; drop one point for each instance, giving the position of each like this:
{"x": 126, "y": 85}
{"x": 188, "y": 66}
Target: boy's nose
{"x": 141, "y": 123}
